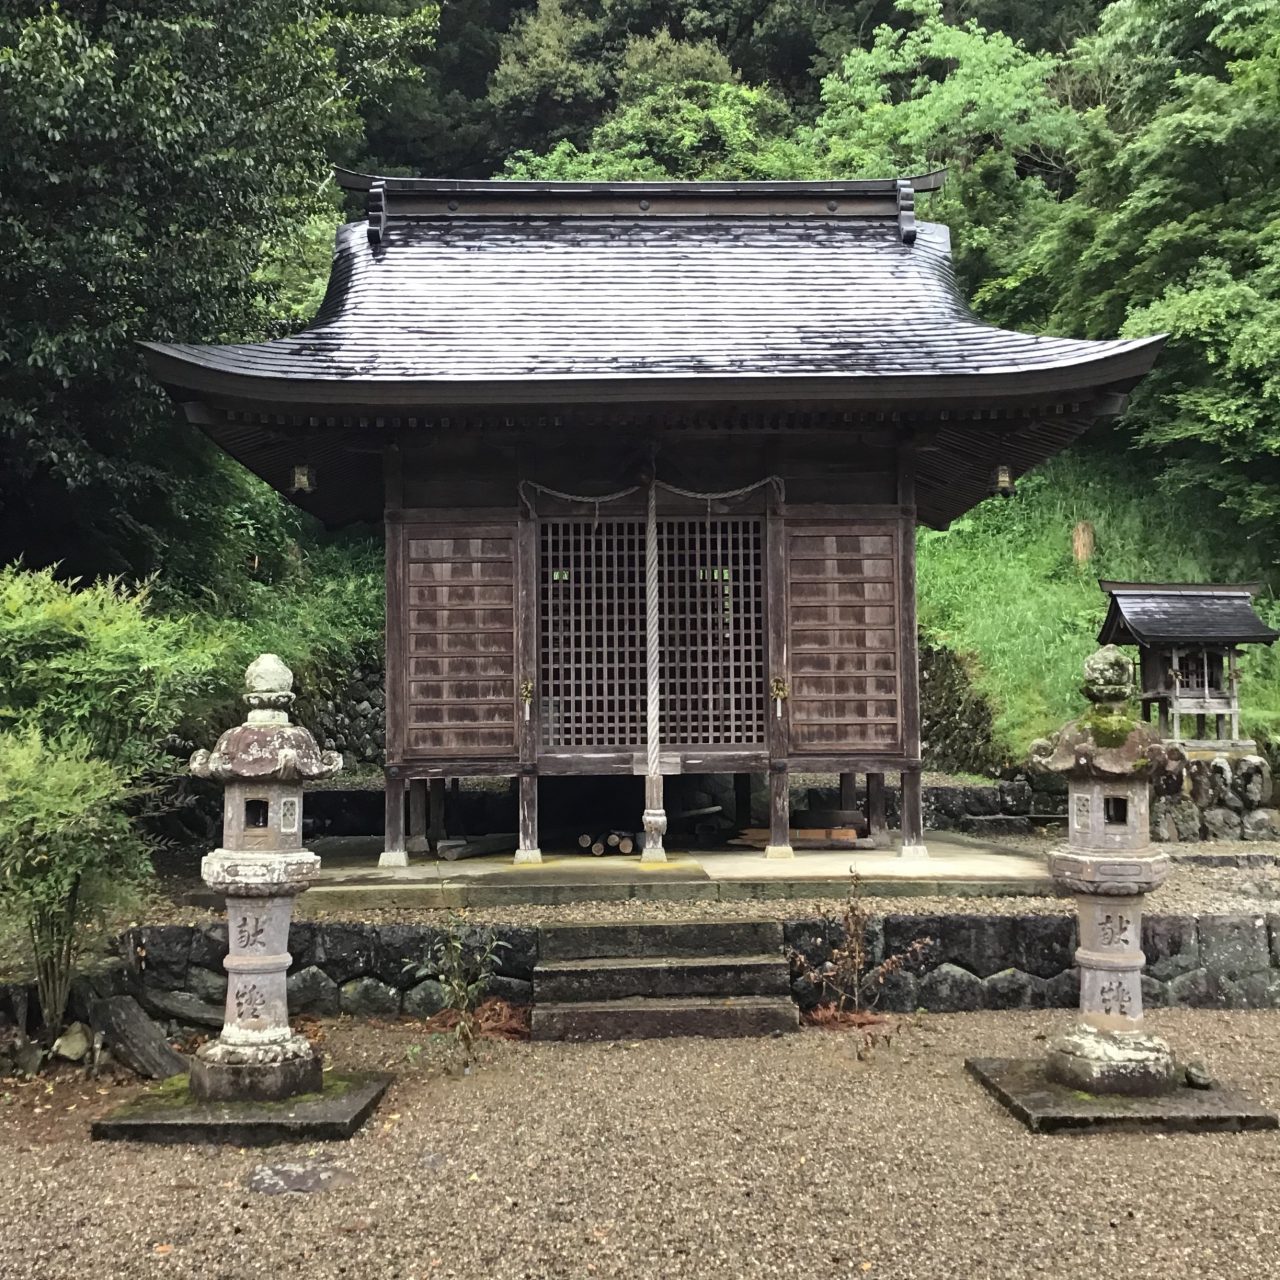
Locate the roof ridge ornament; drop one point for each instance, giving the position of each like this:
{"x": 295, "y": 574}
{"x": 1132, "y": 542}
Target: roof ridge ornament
{"x": 906, "y": 211}
{"x": 375, "y": 207}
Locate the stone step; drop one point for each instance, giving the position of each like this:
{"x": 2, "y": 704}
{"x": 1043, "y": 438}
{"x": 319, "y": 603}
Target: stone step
{"x": 675, "y": 938}
{"x": 620, "y": 978}
{"x": 645, "y": 1018}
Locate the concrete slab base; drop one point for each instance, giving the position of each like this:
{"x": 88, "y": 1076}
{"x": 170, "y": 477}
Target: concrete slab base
{"x": 1022, "y": 1087}
{"x": 168, "y": 1113}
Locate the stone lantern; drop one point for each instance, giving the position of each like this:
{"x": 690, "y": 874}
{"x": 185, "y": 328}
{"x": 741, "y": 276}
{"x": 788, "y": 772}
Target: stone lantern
{"x": 1109, "y": 758}
{"x": 261, "y": 867}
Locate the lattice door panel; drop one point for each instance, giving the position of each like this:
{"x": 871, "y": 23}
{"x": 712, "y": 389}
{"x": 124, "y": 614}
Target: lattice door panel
{"x": 592, "y": 631}
{"x": 712, "y": 629}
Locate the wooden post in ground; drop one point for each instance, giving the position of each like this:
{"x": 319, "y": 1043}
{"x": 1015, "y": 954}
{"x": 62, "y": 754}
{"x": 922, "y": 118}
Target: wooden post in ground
{"x": 848, "y": 791}
{"x": 527, "y": 850}
{"x": 877, "y": 823}
{"x": 417, "y": 842}
{"x": 913, "y": 845}
{"x": 393, "y": 847}
{"x": 779, "y": 845}
{"x": 435, "y": 832}
{"x": 742, "y": 799}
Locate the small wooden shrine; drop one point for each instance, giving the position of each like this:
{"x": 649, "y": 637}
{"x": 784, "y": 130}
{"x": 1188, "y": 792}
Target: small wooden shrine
{"x": 650, "y": 458}
{"x": 1188, "y": 636}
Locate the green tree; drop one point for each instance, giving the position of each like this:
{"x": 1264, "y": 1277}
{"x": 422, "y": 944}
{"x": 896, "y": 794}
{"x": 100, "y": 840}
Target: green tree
{"x": 1174, "y": 225}
{"x": 933, "y": 95}
{"x": 154, "y": 155}
{"x": 66, "y": 846}
{"x": 551, "y": 82}
{"x": 697, "y": 130}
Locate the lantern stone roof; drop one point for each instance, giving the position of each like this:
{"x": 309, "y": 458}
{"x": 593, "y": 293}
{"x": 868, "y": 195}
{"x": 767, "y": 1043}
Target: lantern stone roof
{"x": 1183, "y": 613}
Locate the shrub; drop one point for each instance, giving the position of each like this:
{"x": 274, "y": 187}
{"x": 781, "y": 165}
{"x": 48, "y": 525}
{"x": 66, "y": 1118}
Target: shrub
{"x": 92, "y": 682}
{"x": 97, "y": 663}
{"x": 66, "y": 843}
{"x": 463, "y": 962}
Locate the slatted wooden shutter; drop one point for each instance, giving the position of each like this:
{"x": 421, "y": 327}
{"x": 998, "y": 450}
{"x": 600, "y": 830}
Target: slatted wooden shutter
{"x": 843, "y": 615}
{"x": 460, "y": 640}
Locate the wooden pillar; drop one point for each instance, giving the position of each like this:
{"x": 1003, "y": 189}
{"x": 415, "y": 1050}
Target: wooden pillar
{"x": 742, "y": 799}
{"x": 778, "y": 731}
{"x": 877, "y": 823}
{"x": 527, "y": 849}
{"x": 913, "y": 845}
{"x": 435, "y": 832}
{"x": 417, "y": 842}
{"x": 912, "y": 816}
{"x": 779, "y": 845}
{"x": 528, "y": 579}
{"x": 1233, "y": 680}
{"x": 393, "y": 848}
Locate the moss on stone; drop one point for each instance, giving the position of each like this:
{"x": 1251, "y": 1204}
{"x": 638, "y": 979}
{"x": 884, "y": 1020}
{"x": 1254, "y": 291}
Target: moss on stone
{"x": 175, "y": 1094}
{"x": 1110, "y": 724}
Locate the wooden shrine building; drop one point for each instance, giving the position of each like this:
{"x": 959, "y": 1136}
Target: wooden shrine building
{"x": 1188, "y": 636}
{"x": 650, "y": 458}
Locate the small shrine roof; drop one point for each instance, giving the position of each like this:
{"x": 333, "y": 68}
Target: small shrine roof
{"x": 1187, "y": 613}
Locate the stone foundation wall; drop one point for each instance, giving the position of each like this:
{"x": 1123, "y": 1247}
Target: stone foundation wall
{"x": 1027, "y": 962}
{"x": 971, "y": 962}
{"x": 351, "y": 717}
{"x": 1220, "y": 798}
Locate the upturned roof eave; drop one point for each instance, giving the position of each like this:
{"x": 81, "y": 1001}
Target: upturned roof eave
{"x": 180, "y": 368}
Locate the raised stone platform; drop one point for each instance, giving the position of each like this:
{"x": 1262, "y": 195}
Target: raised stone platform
{"x": 168, "y": 1113}
{"x": 957, "y": 865}
{"x": 1022, "y": 1087}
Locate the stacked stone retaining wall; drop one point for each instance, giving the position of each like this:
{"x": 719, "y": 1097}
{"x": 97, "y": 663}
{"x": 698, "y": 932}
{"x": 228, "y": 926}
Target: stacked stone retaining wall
{"x": 968, "y": 962}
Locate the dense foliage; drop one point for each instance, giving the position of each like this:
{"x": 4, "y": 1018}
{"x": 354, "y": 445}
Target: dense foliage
{"x": 92, "y": 684}
{"x": 67, "y": 844}
{"x": 154, "y": 156}
{"x": 164, "y": 176}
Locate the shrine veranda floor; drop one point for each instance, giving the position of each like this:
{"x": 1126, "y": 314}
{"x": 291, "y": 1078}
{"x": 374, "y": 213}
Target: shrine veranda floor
{"x": 795, "y": 1157}
{"x": 961, "y": 875}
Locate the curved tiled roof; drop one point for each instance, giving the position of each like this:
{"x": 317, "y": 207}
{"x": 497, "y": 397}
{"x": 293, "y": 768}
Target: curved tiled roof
{"x": 631, "y": 303}
{"x": 1172, "y": 613}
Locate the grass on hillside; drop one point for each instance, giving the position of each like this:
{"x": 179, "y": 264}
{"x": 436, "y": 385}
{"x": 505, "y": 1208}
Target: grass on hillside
{"x": 1001, "y": 586}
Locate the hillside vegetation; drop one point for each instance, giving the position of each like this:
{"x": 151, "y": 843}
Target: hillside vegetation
{"x": 1002, "y": 586}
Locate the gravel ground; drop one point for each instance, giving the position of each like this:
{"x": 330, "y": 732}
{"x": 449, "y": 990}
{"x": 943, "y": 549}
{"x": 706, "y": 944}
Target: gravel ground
{"x": 780, "y": 1157}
